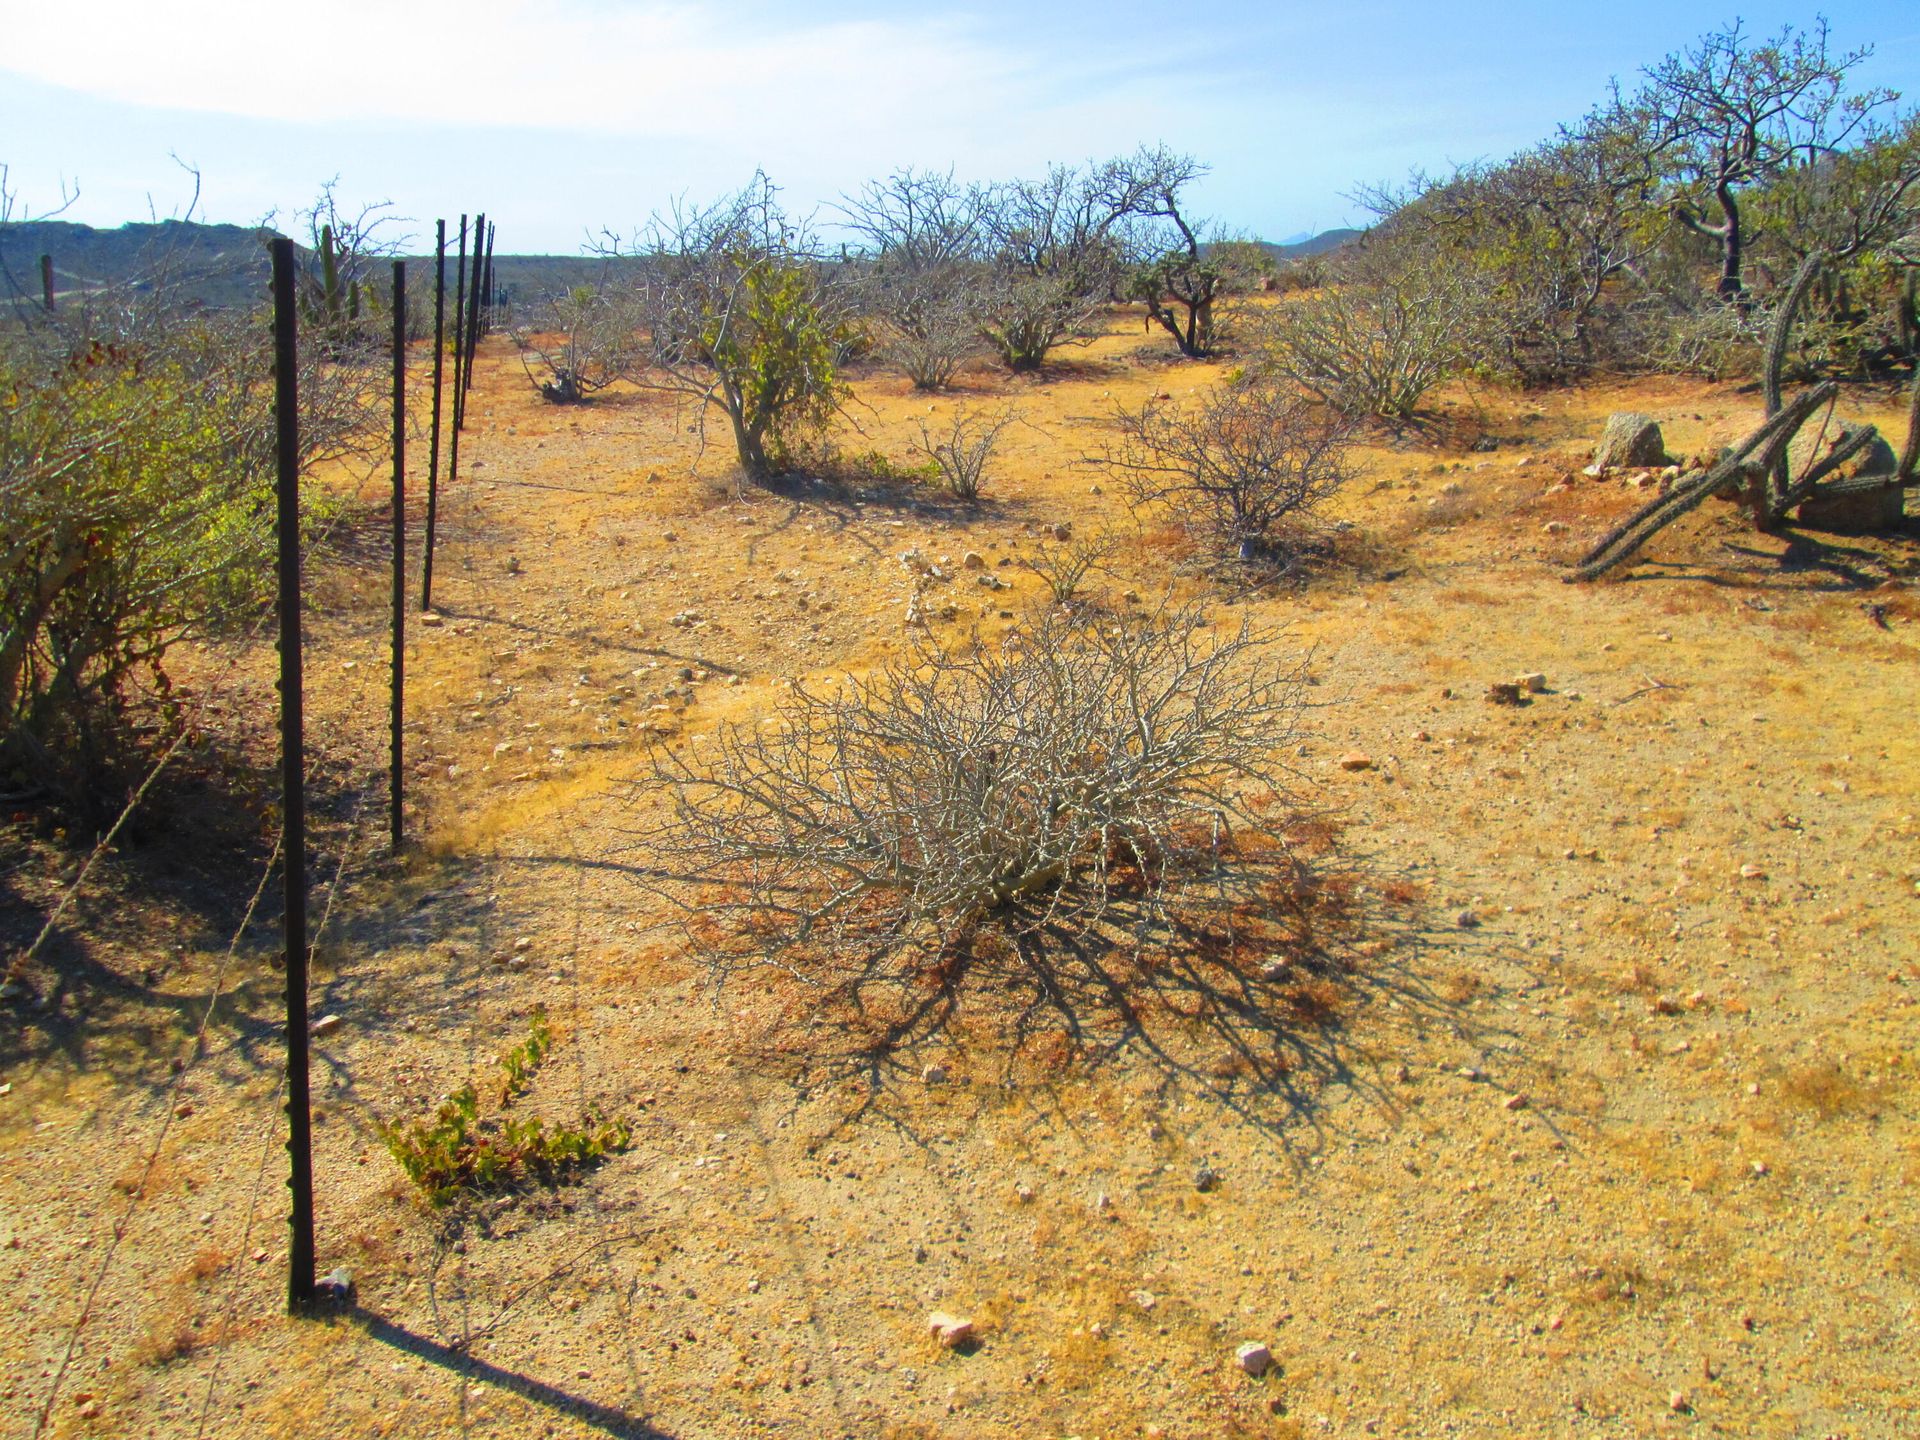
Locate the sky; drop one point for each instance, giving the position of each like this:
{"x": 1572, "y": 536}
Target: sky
{"x": 564, "y": 119}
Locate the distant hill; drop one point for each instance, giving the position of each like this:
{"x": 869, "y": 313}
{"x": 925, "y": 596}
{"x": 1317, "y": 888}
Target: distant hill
{"x": 1316, "y": 245}
{"x": 222, "y": 265}
{"x": 226, "y": 265}
{"x": 215, "y": 264}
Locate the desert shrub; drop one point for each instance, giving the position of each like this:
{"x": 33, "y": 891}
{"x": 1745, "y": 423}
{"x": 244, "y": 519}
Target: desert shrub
{"x": 961, "y": 455}
{"x": 1375, "y": 340}
{"x": 1243, "y": 464}
{"x": 1065, "y": 566}
{"x": 922, "y": 231}
{"x": 738, "y": 317}
{"x": 455, "y": 1151}
{"x": 136, "y": 502}
{"x": 582, "y": 341}
{"x": 868, "y": 825}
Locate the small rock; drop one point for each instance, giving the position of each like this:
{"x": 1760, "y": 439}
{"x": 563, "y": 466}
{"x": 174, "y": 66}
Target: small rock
{"x": 1145, "y": 1299}
{"x": 974, "y": 560}
{"x": 1469, "y": 1072}
{"x": 1277, "y": 968}
{"x": 1356, "y": 760}
{"x": 1102, "y": 1204}
{"x": 1504, "y": 692}
{"x": 1023, "y": 1192}
{"x": 1533, "y": 682}
{"x": 1515, "y": 1102}
{"x": 1205, "y": 1178}
{"x": 1467, "y": 920}
{"x": 669, "y": 536}
{"x": 1677, "y": 1402}
{"x": 523, "y": 944}
{"x": 1254, "y": 1358}
{"x": 1760, "y": 1167}
{"x": 326, "y": 1025}
{"x": 949, "y": 1330}
{"x": 336, "y": 1285}
{"x": 1062, "y": 531}
{"x": 934, "y": 1074}
{"x": 1555, "y": 527}
{"x": 1752, "y": 872}
{"x": 431, "y": 620}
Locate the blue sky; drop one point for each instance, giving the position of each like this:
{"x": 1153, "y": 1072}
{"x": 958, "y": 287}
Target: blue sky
{"x": 564, "y": 117}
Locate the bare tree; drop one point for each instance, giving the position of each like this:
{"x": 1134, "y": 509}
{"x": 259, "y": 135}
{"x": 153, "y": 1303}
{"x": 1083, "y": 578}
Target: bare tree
{"x": 870, "y": 825}
{"x": 1239, "y": 464}
{"x": 1727, "y": 114}
{"x": 1058, "y": 253}
{"x": 1182, "y": 271}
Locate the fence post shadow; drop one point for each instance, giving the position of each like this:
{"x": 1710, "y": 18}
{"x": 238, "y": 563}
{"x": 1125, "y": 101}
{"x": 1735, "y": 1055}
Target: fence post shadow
{"x": 608, "y": 1419}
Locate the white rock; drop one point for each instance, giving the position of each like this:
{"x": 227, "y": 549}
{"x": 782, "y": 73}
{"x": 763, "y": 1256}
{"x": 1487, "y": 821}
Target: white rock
{"x": 950, "y": 1330}
{"x": 1253, "y": 1357}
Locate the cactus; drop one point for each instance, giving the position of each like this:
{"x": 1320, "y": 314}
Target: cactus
{"x": 329, "y": 276}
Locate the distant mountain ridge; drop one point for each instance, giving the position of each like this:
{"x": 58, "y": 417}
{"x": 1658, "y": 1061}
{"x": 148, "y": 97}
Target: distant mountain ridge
{"x": 1313, "y": 245}
{"x": 226, "y": 265}
{"x": 216, "y": 264}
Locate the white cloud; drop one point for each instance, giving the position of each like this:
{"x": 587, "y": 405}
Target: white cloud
{"x": 683, "y": 72}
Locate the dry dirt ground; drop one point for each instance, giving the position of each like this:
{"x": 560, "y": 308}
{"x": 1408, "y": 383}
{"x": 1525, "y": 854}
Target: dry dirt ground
{"x": 1610, "y": 1131}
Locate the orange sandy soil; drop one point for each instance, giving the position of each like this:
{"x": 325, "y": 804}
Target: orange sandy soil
{"x": 1692, "y": 861}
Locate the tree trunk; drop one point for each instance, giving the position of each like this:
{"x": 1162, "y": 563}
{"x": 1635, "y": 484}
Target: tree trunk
{"x": 1732, "y": 247}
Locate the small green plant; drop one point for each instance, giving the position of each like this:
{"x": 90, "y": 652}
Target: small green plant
{"x": 457, "y": 1151}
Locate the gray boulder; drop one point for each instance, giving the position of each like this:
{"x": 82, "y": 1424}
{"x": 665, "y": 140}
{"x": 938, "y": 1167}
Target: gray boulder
{"x": 1862, "y": 511}
{"x": 1631, "y": 442}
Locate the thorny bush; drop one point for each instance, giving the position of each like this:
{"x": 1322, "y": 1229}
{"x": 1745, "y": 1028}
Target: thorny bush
{"x": 871, "y": 825}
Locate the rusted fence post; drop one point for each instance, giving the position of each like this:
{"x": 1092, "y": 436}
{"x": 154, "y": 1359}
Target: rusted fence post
{"x": 293, "y": 808}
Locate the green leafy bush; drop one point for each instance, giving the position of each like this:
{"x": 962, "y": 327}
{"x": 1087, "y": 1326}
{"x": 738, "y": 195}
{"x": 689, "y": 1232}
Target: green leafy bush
{"x": 455, "y": 1151}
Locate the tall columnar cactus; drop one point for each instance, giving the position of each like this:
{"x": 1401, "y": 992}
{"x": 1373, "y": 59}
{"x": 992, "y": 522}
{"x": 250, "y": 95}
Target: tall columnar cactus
{"x": 329, "y": 277}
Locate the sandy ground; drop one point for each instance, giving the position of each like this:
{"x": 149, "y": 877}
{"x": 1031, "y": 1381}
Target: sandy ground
{"x": 1611, "y": 1131}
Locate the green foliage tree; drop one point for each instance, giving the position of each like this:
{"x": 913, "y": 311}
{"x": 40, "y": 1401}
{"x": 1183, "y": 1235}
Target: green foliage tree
{"x": 736, "y": 312}
{"x": 1726, "y": 116}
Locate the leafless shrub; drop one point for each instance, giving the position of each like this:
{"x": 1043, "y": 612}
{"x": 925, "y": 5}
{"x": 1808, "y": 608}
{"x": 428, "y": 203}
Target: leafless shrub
{"x": 963, "y": 452}
{"x": 583, "y": 342}
{"x": 923, "y": 232}
{"x": 1066, "y": 565}
{"x": 868, "y": 827}
{"x": 928, "y": 325}
{"x": 1373, "y": 345}
{"x": 1239, "y": 464}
